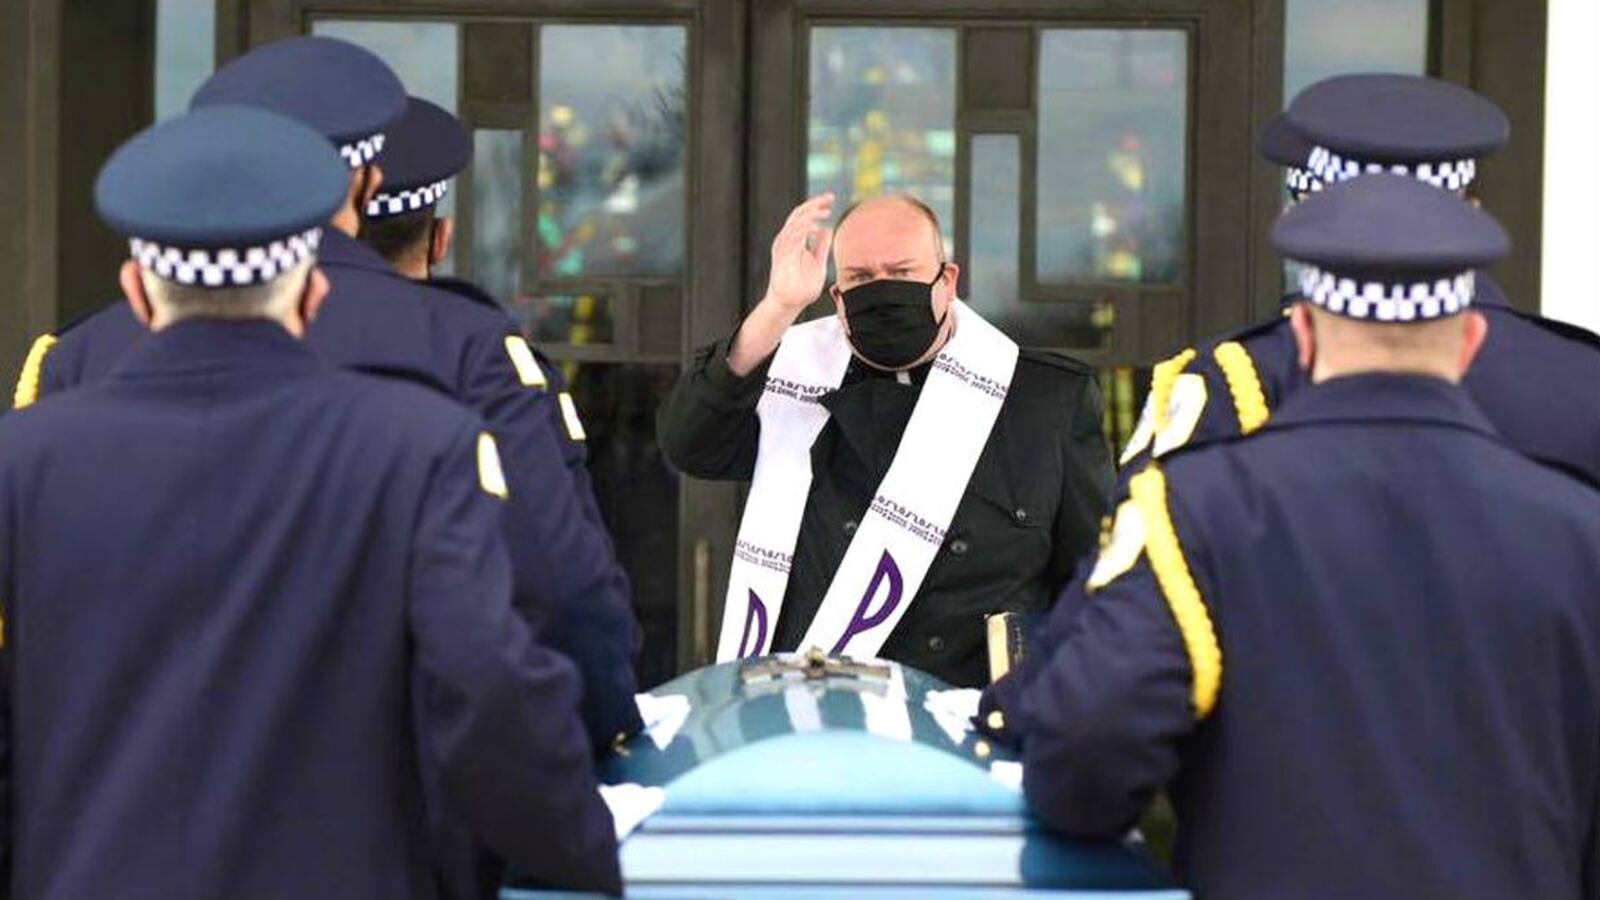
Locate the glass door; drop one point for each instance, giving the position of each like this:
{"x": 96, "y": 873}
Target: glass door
{"x": 1057, "y": 142}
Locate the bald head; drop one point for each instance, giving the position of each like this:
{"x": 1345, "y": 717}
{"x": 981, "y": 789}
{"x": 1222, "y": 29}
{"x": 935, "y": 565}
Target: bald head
{"x": 892, "y": 236}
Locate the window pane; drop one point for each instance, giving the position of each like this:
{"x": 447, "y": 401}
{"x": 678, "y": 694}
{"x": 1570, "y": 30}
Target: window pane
{"x": 1323, "y": 38}
{"x": 1112, "y": 138}
{"x": 995, "y": 231}
{"x": 882, "y": 115}
{"x": 497, "y": 167}
{"x": 185, "y": 51}
{"x": 611, "y": 149}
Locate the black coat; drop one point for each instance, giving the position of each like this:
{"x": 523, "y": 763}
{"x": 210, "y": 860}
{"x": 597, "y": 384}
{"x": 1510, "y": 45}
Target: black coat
{"x": 1032, "y": 507}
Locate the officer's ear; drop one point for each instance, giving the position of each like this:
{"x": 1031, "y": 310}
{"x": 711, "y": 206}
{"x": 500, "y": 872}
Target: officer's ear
{"x": 444, "y": 231}
{"x": 1305, "y": 337}
{"x": 838, "y": 306}
{"x": 369, "y": 186}
{"x": 1475, "y": 330}
{"x": 316, "y": 291}
{"x": 133, "y": 289}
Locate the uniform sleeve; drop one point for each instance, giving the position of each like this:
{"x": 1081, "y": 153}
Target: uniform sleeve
{"x": 1121, "y": 683}
{"x": 564, "y": 568}
{"x": 499, "y": 709}
{"x": 707, "y": 427}
{"x": 1086, "y": 488}
{"x": 999, "y": 704}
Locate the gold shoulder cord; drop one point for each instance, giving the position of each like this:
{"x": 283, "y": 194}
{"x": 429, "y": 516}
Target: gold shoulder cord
{"x": 1249, "y": 400}
{"x": 1162, "y": 378}
{"x": 27, "y": 392}
{"x": 1149, "y": 490}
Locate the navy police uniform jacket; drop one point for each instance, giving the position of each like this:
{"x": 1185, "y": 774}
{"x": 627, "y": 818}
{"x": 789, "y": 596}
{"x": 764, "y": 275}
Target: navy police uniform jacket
{"x": 1362, "y": 648}
{"x": 233, "y": 576}
{"x": 559, "y": 408}
{"x": 1534, "y": 379}
{"x": 375, "y": 320}
{"x": 1031, "y": 508}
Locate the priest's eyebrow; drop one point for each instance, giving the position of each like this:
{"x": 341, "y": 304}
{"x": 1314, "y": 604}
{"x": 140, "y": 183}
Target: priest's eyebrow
{"x": 902, "y": 265}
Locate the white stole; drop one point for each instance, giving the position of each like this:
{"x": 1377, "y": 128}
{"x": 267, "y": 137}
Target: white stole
{"x": 898, "y": 538}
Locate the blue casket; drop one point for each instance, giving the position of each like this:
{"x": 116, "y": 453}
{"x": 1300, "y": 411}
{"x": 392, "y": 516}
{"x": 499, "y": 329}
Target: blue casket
{"x": 792, "y": 776}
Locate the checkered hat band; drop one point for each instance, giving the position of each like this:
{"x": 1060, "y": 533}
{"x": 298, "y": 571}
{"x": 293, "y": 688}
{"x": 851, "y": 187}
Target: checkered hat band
{"x": 402, "y": 202}
{"x": 1331, "y": 168}
{"x": 1300, "y": 182}
{"x": 227, "y": 267}
{"x": 1377, "y": 301}
{"x": 361, "y": 152}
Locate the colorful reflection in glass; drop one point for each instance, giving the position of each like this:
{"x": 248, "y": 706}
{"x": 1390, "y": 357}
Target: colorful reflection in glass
{"x": 611, "y": 149}
{"x": 1111, "y": 152}
{"x": 882, "y": 115}
{"x": 576, "y": 319}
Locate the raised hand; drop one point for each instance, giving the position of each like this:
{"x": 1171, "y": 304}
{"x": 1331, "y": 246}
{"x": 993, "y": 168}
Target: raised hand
{"x": 800, "y": 254}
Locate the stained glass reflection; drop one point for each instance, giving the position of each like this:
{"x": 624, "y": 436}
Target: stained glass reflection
{"x": 611, "y": 149}
{"x": 882, "y": 114}
{"x": 1111, "y": 150}
{"x": 565, "y": 318}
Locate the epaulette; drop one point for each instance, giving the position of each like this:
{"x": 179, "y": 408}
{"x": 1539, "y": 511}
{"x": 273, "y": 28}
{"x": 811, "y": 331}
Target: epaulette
{"x": 1056, "y": 360}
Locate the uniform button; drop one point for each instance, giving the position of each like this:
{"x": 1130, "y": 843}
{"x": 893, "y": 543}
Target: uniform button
{"x": 958, "y": 546}
{"x": 850, "y": 526}
{"x": 1020, "y": 514}
{"x": 936, "y": 643}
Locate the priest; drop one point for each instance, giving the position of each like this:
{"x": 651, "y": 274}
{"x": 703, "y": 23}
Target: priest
{"x": 912, "y": 470}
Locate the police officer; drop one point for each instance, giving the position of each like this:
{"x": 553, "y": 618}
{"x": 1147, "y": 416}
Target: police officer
{"x": 424, "y": 152}
{"x": 378, "y": 321}
{"x": 1034, "y": 496}
{"x": 228, "y": 563}
{"x": 1360, "y": 646}
{"x": 1339, "y": 129}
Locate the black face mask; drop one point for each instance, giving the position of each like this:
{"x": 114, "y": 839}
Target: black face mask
{"x": 891, "y": 322}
